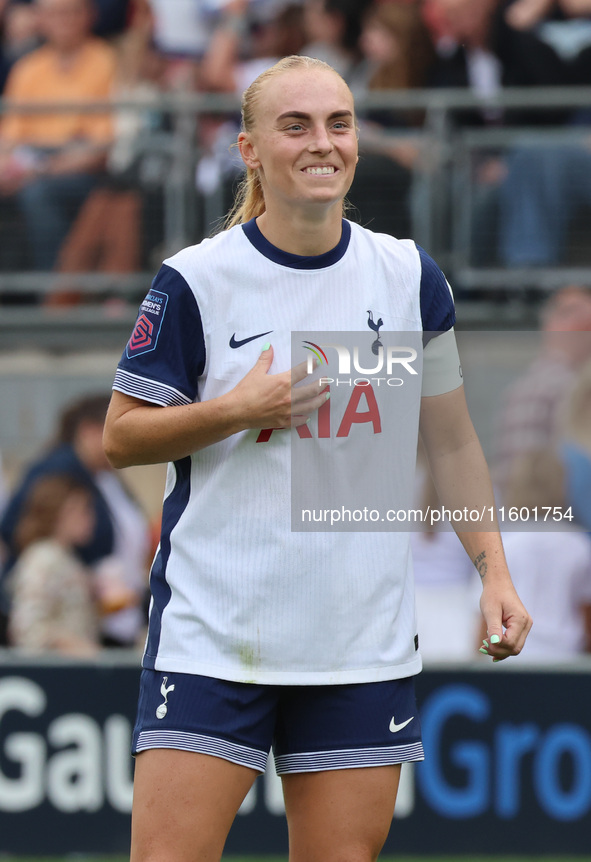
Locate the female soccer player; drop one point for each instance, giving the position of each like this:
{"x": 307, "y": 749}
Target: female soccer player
{"x": 260, "y": 636}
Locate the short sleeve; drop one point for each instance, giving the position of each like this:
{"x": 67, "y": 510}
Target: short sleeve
{"x": 165, "y": 355}
{"x": 438, "y": 312}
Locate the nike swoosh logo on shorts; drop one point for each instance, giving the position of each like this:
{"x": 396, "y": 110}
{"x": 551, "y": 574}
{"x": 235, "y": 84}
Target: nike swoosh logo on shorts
{"x": 234, "y": 343}
{"x": 394, "y": 728}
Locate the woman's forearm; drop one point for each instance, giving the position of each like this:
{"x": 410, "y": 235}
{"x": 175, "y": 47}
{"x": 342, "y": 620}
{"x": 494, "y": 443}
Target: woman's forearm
{"x": 462, "y": 480}
{"x": 140, "y": 433}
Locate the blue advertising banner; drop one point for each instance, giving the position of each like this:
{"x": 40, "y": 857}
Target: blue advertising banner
{"x": 507, "y": 768}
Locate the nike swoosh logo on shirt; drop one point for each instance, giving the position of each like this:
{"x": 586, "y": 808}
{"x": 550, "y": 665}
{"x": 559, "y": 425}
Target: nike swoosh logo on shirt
{"x": 234, "y": 343}
{"x": 394, "y": 728}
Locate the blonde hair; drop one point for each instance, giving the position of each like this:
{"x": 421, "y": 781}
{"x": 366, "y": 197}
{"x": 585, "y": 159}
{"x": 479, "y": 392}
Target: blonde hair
{"x": 249, "y": 202}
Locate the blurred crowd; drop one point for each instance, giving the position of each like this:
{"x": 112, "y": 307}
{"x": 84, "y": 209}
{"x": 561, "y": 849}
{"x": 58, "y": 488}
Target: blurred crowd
{"x": 76, "y": 546}
{"x": 541, "y": 469}
{"x": 82, "y": 191}
{"x": 75, "y": 190}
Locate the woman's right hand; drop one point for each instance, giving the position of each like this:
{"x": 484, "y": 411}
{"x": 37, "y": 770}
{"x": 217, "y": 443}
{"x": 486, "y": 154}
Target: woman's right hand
{"x": 138, "y": 432}
{"x": 276, "y": 400}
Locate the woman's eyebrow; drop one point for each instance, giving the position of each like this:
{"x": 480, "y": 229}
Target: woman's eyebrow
{"x": 302, "y": 115}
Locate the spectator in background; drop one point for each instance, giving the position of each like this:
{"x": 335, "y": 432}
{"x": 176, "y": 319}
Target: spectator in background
{"x": 123, "y": 576}
{"x": 77, "y": 452}
{"x": 561, "y": 27}
{"x": 550, "y": 564}
{"x": 333, "y": 30}
{"x": 576, "y": 448}
{"x": 107, "y": 233}
{"x": 531, "y": 414}
{"x": 183, "y": 30}
{"x": 478, "y": 46}
{"x": 525, "y": 199}
{"x": 118, "y": 545}
{"x": 51, "y": 161}
{"x": 20, "y": 34}
{"x": 396, "y": 54}
{"x": 54, "y": 609}
{"x": 546, "y": 187}
{"x": 463, "y": 37}
{"x": 243, "y": 44}
{"x": 465, "y": 41}
{"x": 544, "y": 190}
{"x": 396, "y": 45}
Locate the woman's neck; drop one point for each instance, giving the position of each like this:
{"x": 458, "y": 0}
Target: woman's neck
{"x": 301, "y": 234}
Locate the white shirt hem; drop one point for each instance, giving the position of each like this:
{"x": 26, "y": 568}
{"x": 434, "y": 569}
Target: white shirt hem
{"x": 299, "y": 677}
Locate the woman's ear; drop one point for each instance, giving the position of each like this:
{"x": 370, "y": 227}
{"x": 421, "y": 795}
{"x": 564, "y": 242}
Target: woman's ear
{"x": 247, "y": 151}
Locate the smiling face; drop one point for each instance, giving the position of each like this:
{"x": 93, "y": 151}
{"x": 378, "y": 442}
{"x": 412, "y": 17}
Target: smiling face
{"x": 303, "y": 143}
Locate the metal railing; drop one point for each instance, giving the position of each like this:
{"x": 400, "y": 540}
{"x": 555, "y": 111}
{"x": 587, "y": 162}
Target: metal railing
{"x": 441, "y": 205}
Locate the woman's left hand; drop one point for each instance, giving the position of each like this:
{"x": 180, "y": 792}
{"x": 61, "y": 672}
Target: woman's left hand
{"x": 507, "y": 621}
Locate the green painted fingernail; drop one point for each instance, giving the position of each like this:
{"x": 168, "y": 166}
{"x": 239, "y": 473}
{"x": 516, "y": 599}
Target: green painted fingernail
{"x": 266, "y": 346}
{"x": 483, "y": 650}
{"x": 485, "y": 642}
{"x": 327, "y": 396}
{"x": 495, "y": 639}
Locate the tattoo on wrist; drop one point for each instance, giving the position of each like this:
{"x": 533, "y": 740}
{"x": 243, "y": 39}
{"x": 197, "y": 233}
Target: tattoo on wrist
{"x": 481, "y": 564}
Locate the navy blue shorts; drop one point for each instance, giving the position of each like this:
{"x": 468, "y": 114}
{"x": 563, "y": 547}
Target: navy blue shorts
{"x": 310, "y": 728}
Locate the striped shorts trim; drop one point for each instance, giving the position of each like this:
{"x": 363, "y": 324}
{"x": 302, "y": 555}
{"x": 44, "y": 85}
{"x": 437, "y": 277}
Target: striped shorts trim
{"x": 348, "y": 758}
{"x": 201, "y": 744}
{"x": 309, "y": 728}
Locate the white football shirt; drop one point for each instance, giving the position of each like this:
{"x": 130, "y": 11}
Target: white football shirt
{"x": 235, "y": 593}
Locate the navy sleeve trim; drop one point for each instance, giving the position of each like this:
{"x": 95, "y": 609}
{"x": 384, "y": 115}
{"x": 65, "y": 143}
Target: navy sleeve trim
{"x": 438, "y": 312}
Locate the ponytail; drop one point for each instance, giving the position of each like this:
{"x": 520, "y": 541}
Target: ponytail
{"x": 249, "y": 202}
